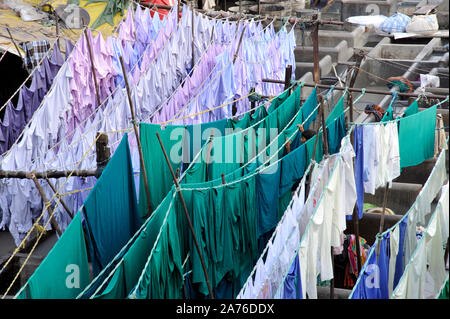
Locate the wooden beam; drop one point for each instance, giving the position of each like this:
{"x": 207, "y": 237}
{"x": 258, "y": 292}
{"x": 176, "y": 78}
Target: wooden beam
{"x": 136, "y": 132}
{"x": 186, "y": 212}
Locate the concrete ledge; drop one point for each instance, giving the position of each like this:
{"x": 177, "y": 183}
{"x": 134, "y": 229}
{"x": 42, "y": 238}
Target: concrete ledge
{"x": 324, "y": 293}
{"x": 400, "y": 197}
{"x": 369, "y": 225}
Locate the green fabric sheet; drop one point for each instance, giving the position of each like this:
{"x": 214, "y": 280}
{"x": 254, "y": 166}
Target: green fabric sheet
{"x": 416, "y": 137}
{"x": 65, "y": 271}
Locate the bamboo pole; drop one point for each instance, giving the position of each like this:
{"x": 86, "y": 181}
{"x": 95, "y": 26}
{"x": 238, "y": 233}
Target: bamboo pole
{"x": 97, "y": 92}
{"x": 141, "y": 156}
{"x": 59, "y": 197}
{"x": 44, "y": 198}
{"x": 17, "y": 49}
{"x": 382, "y": 218}
{"x": 187, "y": 216}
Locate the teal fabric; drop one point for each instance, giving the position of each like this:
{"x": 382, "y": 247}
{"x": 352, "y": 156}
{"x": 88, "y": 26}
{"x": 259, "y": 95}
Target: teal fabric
{"x": 159, "y": 178}
{"x": 293, "y": 166}
{"x": 133, "y": 260}
{"x": 308, "y": 109}
{"x": 416, "y": 134}
{"x": 412, "y": 109}
{"x": 336, "y": 131}
{"x": 65, "y": 270}
{"x": 110, "y": 210}
{"x": 267, "y": 190}
{"x": 336, "y": 112}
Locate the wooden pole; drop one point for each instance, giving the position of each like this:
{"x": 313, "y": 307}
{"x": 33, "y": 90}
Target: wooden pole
{"x": 259, "y": 6}
{"x": 382, "y": 218}
{"x": 351, "y": 89}
{"x": 141, "y": 156}
{"x": 59, "y": 197}
{"x": 92, "y": 67}
{"x": 187, "y": 216}
{"x": 324, "y": 128}
{"x": 193, "y": 45}
{"x": 287, "y": 77}
{"x": 223, "y": 178}
{"x": 49, "y": 174}
{"x": 315, "y": 40}
{"x": 17, "y": 49}
{"x": 57, "y": 30}
{"x": 208, "y": 155}
{"x": 355, "y": 72}
{"x": 239, "y": 44}
{"x": 44, "y": 198}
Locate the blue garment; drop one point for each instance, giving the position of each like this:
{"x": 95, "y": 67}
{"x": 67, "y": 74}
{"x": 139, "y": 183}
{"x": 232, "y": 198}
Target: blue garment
{"x": 292, "y": 288}
{"x": 112, "y": 220}
{"x": 374, "y": 278}
{"x": 401, "y": 251}
{"x": 308, "y": 107}
{"x": 267, "y": 190}
{"x": 336, "y": 131}
{"x": 293, "y": 167}
{"x": 359, "y": 170}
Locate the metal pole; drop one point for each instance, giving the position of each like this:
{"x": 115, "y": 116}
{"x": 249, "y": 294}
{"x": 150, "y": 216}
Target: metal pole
{"x": 141, "y": 156}
{"x": 92, "y": 67}
{"x": 44, "y": 198}
{"x": 187, "y": 216}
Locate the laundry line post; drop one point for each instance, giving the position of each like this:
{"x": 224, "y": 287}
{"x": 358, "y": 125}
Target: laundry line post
{"x": 324, "y": 128}
{"x": 97, "y": 92}
{"x": 287, "y": 77}
{"x": 44, "y": 198}
{"x": 17, "y": 49}
{"x": 178, "y": 190}
{"x": 208, "y": 155}
{"x": 351, "y": 76}
{"x": 141, "y": 156}
{"x": 193, "y": 45}
{"x": 382, "y": 218}
{"x": 325, "y": 151}
{"x": 59, "y": 197}
{"x": 315, "y": 42}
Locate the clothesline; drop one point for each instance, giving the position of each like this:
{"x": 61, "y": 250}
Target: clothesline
{"x": 260, "y": 168}
{"x": 29, "y": 75}
{"x": 404, "y": 66}
{"x": 71, "y": 145}
{"x": 6, "y": 51}
{"x": 58, "y": 200}
{"x": 406, "y": 215}
{"x": 55, "y": 195}
{"x": 102, "y": 104}
{"x": 310, "y": 221}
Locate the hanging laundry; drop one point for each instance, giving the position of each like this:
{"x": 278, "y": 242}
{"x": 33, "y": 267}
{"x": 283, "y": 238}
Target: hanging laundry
{"x": 414, "y": 151}
{"x": 107, "y": 233}
{"x": 65, "y": 270}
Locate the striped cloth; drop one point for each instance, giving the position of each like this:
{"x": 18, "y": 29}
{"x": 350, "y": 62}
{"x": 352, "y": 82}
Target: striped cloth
{"x": 396, "y": 23}
{"x": 34, "y": 52}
